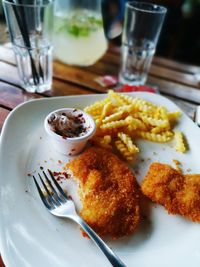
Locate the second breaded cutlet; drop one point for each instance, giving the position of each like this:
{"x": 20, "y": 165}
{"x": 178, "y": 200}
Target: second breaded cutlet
{"x": 108, "y": 191}
{"x": 178, "y": 193}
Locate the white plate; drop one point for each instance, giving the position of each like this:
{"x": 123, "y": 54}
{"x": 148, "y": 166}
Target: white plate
{"x": 30, "y": 236}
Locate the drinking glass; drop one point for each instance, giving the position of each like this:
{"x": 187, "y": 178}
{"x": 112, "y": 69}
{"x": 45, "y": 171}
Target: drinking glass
{"x": 78, "y": 32}
{"x": 142, "y": 26}
{"x": 30, "y": 28}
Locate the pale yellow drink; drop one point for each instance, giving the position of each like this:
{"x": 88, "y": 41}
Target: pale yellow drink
{"x": 79, "y": 38}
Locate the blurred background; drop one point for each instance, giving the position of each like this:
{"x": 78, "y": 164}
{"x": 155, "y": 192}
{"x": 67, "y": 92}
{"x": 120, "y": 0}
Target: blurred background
{"x": 180, "y": 37}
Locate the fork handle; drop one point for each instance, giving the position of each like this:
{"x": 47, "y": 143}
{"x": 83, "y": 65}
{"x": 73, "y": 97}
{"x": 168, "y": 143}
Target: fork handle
{"x": 113, "y": 259}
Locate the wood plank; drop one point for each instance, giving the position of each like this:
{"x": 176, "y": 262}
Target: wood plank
{"x": 175, "y": 65}
{"x": 165, "y": 62}
{"x": 81, "y": 77}
{"x": 3, "y": 115}
{"x": 58, "y": 88}
{"x": 192, "y": 80}
{"x": 11, "y": 96}
{"x": 78, "y": 76}
{"x": 62, "y": 88}
{"x": 110, "y": 58}
{"x": 175, "y": 76}
{"x": 188, "y": 78}
{"x": 174, "y": 89}
{"x": 184, "y": 91}
{"x": 114, "y": 58}
{"x": 165, "y": 72}
{"x": 99, "y": 69}
{"x": 7, "y": 56}
{"x": 102, "y": 68}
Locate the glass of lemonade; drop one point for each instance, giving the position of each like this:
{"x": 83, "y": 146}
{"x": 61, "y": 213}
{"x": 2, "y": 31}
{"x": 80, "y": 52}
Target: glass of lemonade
{"x": 78, "y": 32}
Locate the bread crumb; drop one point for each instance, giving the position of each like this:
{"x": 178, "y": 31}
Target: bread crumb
{"x": 177, "y": 165}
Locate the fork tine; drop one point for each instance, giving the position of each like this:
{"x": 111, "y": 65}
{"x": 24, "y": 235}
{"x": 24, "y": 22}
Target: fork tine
{"x": 58, "y": 186}
{"x": 45, "y": 187}
{"x": 53, "y": 189}
{"x": 51, "y": 198}
{"x": 41, "y": 194}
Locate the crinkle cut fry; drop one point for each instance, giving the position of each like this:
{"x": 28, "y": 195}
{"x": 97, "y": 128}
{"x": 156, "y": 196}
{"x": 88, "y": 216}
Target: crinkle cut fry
{"x": 153, "y": 137}
{"x": 96, "y": 108}
{"x": 135, "y": 117}
{"x": 180, "y": 146}
{"x": 128, "y": 142}
{"x": 124, "y": 150}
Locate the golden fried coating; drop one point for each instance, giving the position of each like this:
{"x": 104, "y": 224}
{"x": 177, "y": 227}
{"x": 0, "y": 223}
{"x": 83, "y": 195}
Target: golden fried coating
{"x": 108, "y": 191}
{"x": 178, "y": 193}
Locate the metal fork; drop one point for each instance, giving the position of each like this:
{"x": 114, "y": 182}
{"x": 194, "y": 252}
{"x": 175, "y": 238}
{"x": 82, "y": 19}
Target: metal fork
{"x": 59, "y": 204}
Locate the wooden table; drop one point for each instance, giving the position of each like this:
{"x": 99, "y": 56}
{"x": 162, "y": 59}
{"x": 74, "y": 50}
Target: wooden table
{"x": 179, "y": 82}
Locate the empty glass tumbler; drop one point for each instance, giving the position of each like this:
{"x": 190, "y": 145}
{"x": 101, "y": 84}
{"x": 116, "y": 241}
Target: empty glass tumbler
{"x": 30, "y": 27}
{"x": 141, "y": 30}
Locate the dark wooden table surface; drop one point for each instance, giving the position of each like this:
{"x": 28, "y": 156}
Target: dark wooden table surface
{"x": 179, "y": 82}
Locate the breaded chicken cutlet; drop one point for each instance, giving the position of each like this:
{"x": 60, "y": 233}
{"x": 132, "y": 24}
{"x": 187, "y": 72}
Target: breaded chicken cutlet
{"x": 178, "y": 193}
{"x": 108, "y": 191}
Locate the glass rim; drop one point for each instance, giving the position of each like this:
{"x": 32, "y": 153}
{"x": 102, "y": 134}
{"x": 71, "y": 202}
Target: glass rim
{"x": 142, "y": 6}
{"x": 28, "y": 5}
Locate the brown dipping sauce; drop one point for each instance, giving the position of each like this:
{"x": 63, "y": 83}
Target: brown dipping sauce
{"x": 68, "y": 125}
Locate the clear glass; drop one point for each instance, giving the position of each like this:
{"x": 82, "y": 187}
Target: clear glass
{"x": 30, "y": 27}
{"x": 141, "y": 30}
{"x": 78, "y": 32}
